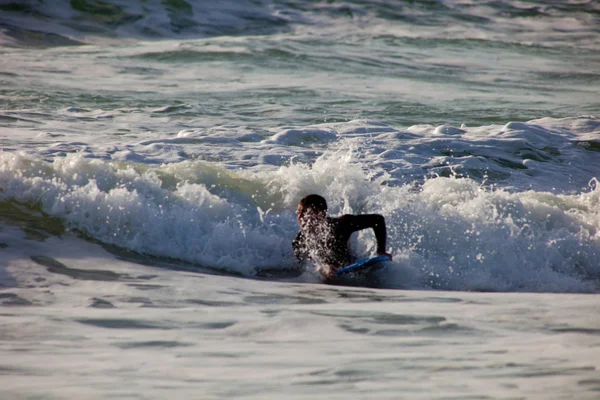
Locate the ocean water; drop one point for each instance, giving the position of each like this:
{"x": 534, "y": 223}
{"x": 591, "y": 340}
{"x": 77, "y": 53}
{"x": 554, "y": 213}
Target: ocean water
{"x": 153, "y": 154}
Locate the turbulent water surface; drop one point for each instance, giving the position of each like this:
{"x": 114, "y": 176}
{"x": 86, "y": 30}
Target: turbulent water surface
{"x": 153, "y": 154}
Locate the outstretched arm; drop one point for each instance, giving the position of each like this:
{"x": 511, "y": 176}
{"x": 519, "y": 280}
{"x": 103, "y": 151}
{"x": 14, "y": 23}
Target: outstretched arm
{"x": 375, "y": 221}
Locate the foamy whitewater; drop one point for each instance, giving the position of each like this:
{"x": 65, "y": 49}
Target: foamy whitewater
{"x": 154, "y": 152}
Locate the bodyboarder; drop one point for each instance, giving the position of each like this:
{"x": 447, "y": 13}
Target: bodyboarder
{"x": 324, "y": 239}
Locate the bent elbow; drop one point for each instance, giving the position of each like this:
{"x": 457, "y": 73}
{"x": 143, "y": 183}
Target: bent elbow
{"x": 379, "y": 220}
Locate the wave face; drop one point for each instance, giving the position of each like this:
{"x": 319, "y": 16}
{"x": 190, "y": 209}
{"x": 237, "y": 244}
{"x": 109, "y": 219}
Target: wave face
{"x": 71, "y": 22}
{"x": 448, "y": 229}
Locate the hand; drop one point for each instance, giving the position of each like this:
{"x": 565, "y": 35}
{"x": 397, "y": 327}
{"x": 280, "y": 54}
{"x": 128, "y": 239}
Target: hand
{"x": 385, "y": 254}
{"x": 328, "y": 272}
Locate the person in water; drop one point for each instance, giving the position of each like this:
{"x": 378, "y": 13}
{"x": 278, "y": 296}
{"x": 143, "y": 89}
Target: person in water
{"x": 325, "y": 239}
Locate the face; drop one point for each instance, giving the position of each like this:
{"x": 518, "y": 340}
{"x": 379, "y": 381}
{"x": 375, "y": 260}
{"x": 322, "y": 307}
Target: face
{"x": 308, "y": 216}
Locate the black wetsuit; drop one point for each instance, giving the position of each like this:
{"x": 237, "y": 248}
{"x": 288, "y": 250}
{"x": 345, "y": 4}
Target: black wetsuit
{"x": 328, "y": 243}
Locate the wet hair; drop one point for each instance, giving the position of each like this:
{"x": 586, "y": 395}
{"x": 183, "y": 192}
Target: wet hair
{"x": 314, "y": 202}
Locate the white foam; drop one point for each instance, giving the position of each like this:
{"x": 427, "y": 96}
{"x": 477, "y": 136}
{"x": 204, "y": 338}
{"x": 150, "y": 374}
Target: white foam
{"x": 466, "y": 236}
{"x": 297, "y": 137}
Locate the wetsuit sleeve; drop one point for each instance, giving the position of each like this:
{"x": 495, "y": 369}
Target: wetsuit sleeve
{"x": 299, "y": 246}
{"x": 377, "y": 222}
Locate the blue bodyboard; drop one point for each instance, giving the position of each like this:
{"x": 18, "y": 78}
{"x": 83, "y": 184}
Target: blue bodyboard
{"x": 362, "y": 264}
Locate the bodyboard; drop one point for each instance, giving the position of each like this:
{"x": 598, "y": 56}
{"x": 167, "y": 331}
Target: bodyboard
{"x": 362, "y": 265}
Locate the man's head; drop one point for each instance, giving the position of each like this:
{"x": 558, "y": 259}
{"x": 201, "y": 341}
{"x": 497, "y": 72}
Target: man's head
{"x": 311, "y": 208}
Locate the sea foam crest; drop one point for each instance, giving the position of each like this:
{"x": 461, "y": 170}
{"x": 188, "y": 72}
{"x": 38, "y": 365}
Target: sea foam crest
{"x": 449, "y": 233}
{"x": 476, "y": 238}
{"x": 155, "y": 211}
